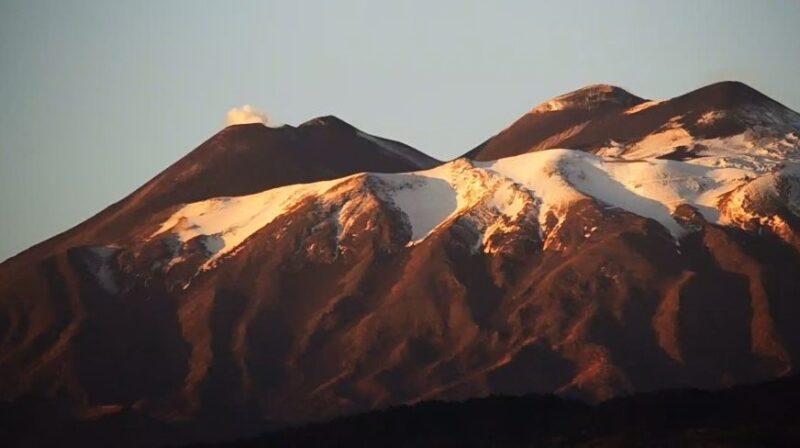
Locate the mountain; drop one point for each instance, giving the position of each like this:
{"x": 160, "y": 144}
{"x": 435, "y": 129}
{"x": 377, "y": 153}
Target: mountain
{"x": 243, "y": 159}
{"x": 322, "y": 271}
{"x": 608, "y": 120}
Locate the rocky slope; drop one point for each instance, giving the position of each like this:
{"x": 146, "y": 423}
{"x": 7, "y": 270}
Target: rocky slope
{"x": 629, "y": 264}
{"x": 608, "y": 120}
{"x": 243, "y": 159}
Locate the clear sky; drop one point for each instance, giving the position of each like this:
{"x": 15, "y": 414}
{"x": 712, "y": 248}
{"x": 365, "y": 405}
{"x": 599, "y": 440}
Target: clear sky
{"x": 96, "y": 97}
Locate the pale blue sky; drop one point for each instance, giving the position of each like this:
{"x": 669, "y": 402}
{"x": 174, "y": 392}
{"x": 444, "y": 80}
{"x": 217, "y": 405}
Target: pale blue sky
{"x": 98, "y": 96}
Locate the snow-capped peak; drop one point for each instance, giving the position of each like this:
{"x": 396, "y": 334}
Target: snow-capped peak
{"x": 499, "y": 196}
{"x": 590, "y": 97}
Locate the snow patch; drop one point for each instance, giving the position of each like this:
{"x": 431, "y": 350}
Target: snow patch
{"x": 711, "y": 117}
{"x": 660, "y": 143}
{"x": 231, "y": 220}
{"x": 644, "y": 106}
{"x": 425, "y": 198}
{"x": 650, "y": 188}
{"x": 542, "y": 173}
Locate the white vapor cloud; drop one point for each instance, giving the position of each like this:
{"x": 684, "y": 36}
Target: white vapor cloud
{"x": 246, "y": 114}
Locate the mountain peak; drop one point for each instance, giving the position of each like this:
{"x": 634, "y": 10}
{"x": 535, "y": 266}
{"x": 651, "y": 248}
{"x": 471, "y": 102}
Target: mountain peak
{"x": 726, "y": 94}
{"x": 247, "y": 127}
{"x": 283, "y": 276}
{"x": 589, "y": 98}
{"x": 331, "y": 121}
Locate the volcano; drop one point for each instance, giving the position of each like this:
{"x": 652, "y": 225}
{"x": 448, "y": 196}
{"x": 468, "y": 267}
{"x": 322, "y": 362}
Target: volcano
{"x": 601, "y": 245}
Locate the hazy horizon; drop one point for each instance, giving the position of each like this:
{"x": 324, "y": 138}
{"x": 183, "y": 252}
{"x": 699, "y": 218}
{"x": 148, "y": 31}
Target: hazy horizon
{"x": 97, "y": 98}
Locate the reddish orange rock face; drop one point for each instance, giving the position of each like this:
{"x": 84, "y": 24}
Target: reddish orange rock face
{"x": 303, "y": 273}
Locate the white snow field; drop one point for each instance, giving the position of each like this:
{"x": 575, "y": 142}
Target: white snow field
{"x": 494, "y": 195}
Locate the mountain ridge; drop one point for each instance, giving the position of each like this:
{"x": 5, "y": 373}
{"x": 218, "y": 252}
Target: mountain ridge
{"x": 255, "y": 145}
{"x": 590, "y": 97}
{"x": 591, "y": 129}
{"x": 267, "y": 274}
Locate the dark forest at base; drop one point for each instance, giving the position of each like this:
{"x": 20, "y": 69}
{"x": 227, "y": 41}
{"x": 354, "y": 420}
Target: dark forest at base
{"x": 764, "y": 414}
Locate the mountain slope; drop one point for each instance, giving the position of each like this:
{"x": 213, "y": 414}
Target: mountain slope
{"x": 244, "y": 159}
{"x": 590, "y": 275}
{"x": 614, "y": 122}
